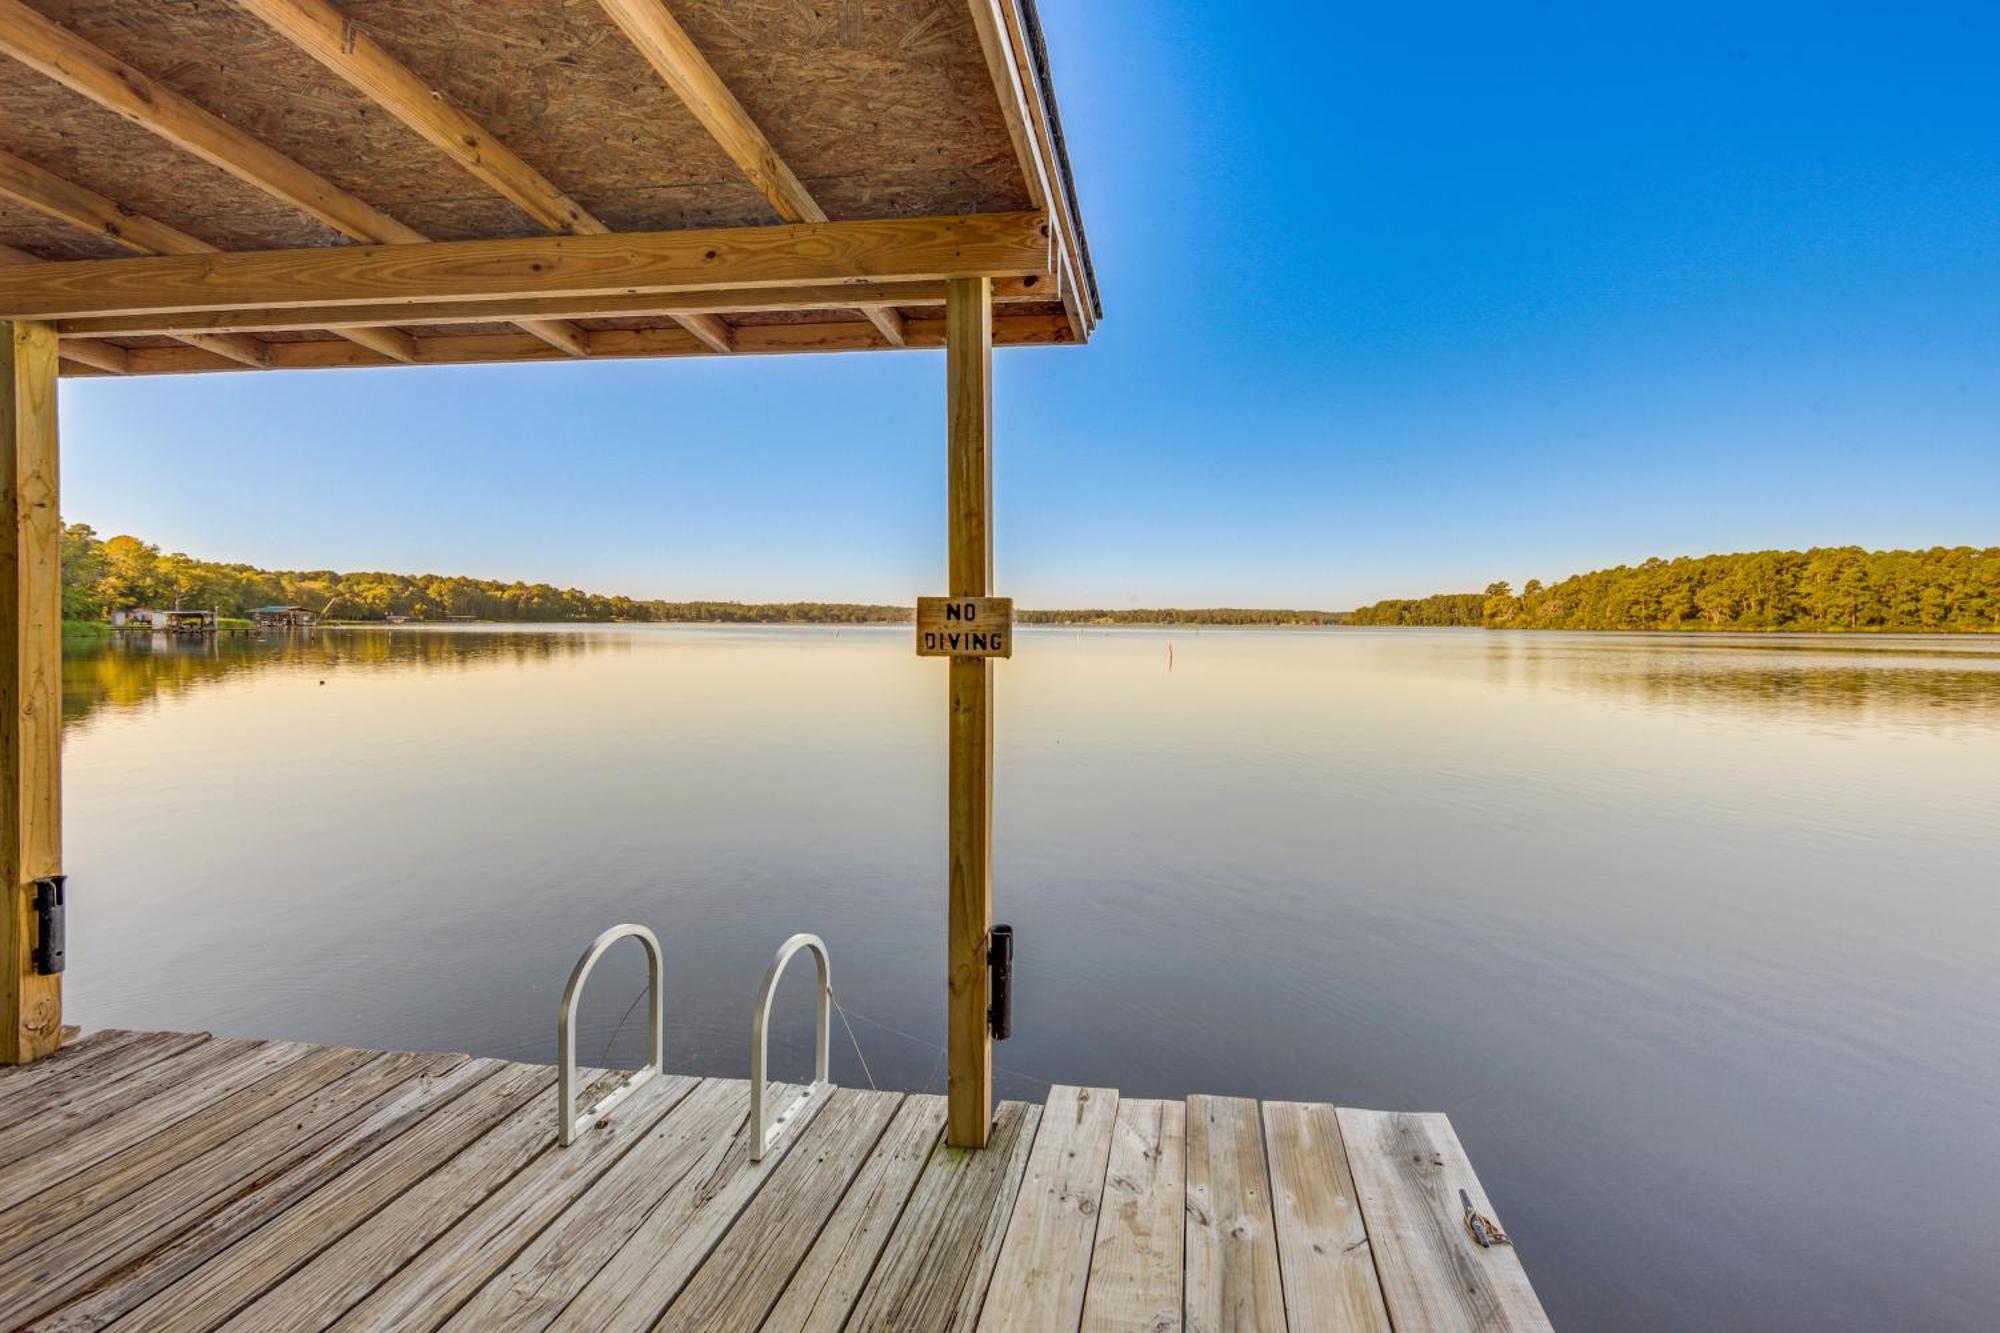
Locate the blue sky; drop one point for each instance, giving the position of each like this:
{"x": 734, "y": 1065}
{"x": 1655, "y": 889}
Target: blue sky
{"x": 1399, "y": 299}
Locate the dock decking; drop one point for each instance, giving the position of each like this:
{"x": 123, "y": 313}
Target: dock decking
{"x": 158, "y": 1180}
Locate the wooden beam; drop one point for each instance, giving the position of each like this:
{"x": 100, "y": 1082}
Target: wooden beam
{"x": 853, "y": 335}
{"x": 738, "y": 300}
{"x": 883, "y": 250}
{"x": 103, "y": 78}
{"x": 714, "y": 334}
{"x": 48, "y": 193}
{"x": 969, "y": 483}
{"x": 99, "y": 354}
{"x": 30, "y": 683}
{"x": 677, "y": 60}
{"x": 347, "y": 48}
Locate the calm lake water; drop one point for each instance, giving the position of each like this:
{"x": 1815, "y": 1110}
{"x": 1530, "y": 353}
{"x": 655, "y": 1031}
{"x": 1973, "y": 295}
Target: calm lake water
{"x": 1694, "y": 937}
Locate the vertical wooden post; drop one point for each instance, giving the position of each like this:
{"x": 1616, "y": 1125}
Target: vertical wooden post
{"x": 968, "y": 340}
{"x": 30, "y": 682}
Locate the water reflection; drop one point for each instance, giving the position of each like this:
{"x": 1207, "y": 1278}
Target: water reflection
{"x": 1692, "y": 936}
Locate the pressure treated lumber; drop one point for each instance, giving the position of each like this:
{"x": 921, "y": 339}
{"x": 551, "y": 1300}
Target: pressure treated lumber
{"x": 454, "y": 1266}
{"x": 46, "y": 192}
{"x": 1323, "y": 1253}
{"x": 823, "y": 1289}
{"x": 1233, "y": 1282}
{"x": 1045, "y": 1261}
{"x": 659, "y": 37}
{"x": 374, "y": 1191}
{"x": 726, "y": 300}
{"x": 234, "y": 1278}
{"x": 886, "y": 250}
{"x": 1408, "y": 1171}
{"x": 741, "y": 1279}
{"x": 297, "y": 1171}
{"x": 30, "y": 680}
{"x": 969, "y": 536}
{"x": 1135, "y": 1266}
{"x": 934, "y": 1272}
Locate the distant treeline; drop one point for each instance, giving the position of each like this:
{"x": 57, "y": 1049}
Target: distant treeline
{"x": 100, "y": 577}
{"x": 1943, "y": 589}
{"x": 1215, "y": 615}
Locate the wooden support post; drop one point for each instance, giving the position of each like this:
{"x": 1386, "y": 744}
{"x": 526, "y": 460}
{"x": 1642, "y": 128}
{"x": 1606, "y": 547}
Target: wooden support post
{"x": 30, "y": 682}
{"x": 969, "y": 393}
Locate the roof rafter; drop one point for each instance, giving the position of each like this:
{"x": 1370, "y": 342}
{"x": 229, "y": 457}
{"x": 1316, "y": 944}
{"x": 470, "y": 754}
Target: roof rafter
{"x": 486, "y": 348}
{"x": 659, "y": 37}
{"x": 347, "y": 49}
{"x": 93, "y": 352}
{"x": 45, "y": 192}
{"x": 732, "y": 300}
{"x": 60, "y": 54}
{"x": 630, "y": 263}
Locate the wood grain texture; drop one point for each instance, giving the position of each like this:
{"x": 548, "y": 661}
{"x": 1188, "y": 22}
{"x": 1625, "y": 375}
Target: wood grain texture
{"x": 934, "y": 1272}
{"x": 292, "y": 1173}
{"x": 85, "y": 1123}
{"x": 1408, "y": 1170}
{"x": 631, "y": 1291}
{"x": 1323, "y": 1252}
{"x": 61, "y": 55}
{"x": 453, "y": 1267}
{"x": 182, "y": 1114}
{"x": 26, "y": 1090}
{"x": 673, "y": 55}
{"x": 231, "y": 1280}
{"x": 85, "y": 1254}
{"x": 1044, "y": 1263}
{"x": 1135, "y": 1266}
{"x": 834, "y": 296}
{"x": 532, "y": 1290}
{"x": 741, "y": 1280}
{"x": 30, "y": 680}
{"x": 367, "y": 1257}
{"x": 969, "y": 780}
{"x": 889, "y": 250}
{"x": 1232, "y": 1275}
{"x": 823, "y": 1289}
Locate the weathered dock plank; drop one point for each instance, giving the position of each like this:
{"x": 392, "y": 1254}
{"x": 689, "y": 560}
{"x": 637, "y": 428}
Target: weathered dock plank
{"x": 1135, "y": 1265}
{"x": 429, "y": 1288}
{"x": 632, "y": 1290}
{"x": 934, "y": 1272}
{"x": 741, "y": 1279}
{"x": 1323, "y": 1254}
{"x": 29, "y": 1091}
{"x": 95, "y": 1108}
{"x": 1232, "y": 1280}
{"x": 44, "y": 1195}
{"x": 823, "y": 1289}
{"x": 92, "y": 1249}
{"x": 333, "y": 1281}
{"x": 1044, "y": 1262}
{"x": 284, "y": 1188}
{"x": 265, "y": 1215}
{"x": 1409, "y": 1170}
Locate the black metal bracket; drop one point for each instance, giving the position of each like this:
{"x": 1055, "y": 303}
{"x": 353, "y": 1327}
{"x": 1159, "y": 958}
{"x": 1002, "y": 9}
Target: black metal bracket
{"x": 50, "y": 942}
{"x": 1000, "y": 958}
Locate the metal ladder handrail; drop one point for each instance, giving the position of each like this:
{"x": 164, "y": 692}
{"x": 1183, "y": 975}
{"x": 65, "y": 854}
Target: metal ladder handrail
{"x": 570, "y": 1122}
{"x": 767, "y": 1129}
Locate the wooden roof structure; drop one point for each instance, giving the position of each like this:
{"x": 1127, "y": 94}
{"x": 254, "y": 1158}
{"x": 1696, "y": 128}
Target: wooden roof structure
{"x": 199, "y": 185}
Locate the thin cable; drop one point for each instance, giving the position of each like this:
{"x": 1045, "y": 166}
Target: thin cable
{"x": 605, "y": 1054}
{"x": 852, "y": 1038}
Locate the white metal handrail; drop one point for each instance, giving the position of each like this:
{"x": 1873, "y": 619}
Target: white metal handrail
{"x": 770, "y": 1129}
{"x": 570, "y": 1122}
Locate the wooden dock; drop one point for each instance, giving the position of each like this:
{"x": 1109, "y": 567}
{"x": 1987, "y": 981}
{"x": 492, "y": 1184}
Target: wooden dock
{"x": 159, "y": 1180}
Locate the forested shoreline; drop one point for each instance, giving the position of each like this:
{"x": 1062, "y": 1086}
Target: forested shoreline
{"x": 1945, "y": 589}
{"x": 1843, "y": 588}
